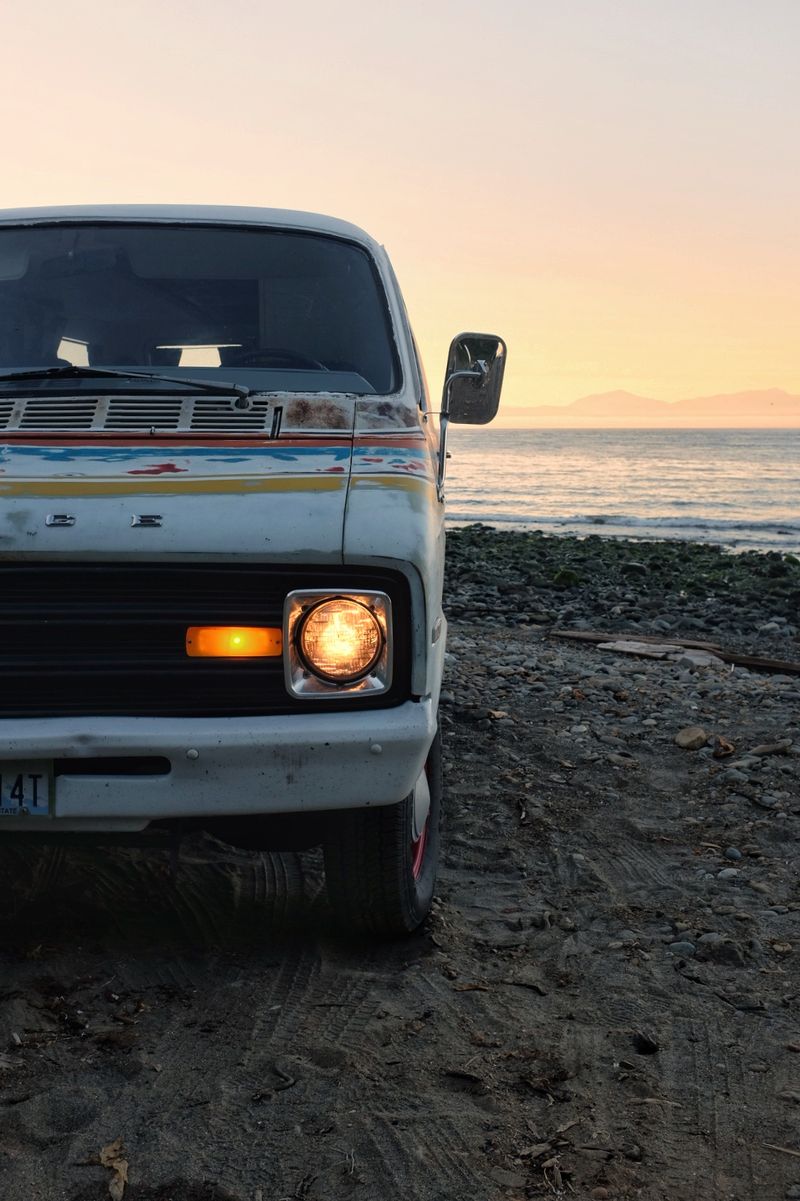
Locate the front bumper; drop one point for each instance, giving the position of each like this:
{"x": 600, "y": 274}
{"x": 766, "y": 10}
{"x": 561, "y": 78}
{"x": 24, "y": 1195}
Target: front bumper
{"x": 223, "y": 767}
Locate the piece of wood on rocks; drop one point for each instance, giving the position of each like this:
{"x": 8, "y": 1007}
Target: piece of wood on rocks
{"x": 645, "y": 650}
{"x": 752, "y": 662}
{"x": 773, "y": 748}
{"x": 598, "y": 636}
{"x": 673, "y": 652}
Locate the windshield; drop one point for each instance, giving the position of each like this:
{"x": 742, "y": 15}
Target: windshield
{"x": 270, "y": 309}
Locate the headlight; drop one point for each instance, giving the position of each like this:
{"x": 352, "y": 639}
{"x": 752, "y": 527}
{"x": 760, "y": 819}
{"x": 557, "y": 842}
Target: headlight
{"x": 339, "y": 640}
{"x": 337, "y": 643}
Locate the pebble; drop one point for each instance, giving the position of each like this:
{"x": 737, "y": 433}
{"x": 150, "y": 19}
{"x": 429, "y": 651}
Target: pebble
{"x": 621, "y": 760}
{"x": 728, "y": 873}
{"x": 682, "y": 948}
{"x": 734, "y": 776}
{"x": 733, "y": 853}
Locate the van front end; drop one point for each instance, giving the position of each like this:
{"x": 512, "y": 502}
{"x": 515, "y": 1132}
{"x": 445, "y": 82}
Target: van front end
{"x": 222, "y": 541}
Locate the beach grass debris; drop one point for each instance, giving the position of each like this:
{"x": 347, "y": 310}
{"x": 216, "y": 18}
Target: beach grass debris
{"x": 112, "y": 1156}
{"x": 565, "y": 577}
{"x": 723, "y": 747}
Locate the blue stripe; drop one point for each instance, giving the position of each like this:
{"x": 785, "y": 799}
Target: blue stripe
{"x": 127, "y": 454}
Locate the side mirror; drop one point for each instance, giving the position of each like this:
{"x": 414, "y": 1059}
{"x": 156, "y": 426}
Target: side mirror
{"x": 473, "y": 379}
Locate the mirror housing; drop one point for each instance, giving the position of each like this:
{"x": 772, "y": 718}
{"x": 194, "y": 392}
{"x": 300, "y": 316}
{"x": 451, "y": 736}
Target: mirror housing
{"x": 473, "y": 379}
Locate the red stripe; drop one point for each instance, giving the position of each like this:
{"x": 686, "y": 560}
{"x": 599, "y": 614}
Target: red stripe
{"x": 200, "y": 440}
{"x": 85, "y": 438}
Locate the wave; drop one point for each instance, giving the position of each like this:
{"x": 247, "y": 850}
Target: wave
{"x": 735, "y": 535}
{"x": 792, "y": 527}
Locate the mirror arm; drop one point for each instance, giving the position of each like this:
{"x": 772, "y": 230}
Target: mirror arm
{"x": 479, "y": 372}
{"x": 444, "y": 421}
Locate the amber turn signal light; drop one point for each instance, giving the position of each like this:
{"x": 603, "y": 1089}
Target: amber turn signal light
{"x": 233, "y": 642}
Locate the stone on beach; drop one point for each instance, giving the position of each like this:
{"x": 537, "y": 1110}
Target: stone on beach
{"x": 692, "y": 738}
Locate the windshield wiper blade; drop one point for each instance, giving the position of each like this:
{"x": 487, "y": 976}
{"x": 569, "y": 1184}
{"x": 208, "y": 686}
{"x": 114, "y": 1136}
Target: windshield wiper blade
{"x": 221, "y": 388}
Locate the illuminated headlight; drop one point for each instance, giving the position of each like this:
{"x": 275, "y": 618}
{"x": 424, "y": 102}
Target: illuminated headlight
{"x": 337, "y": 643}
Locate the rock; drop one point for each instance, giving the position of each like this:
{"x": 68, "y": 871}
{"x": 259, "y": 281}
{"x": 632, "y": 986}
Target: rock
{"x": 728, "y": 873}
{"x": 733, "y": 776}
{"x": 632, "y": 568}
{"x": 621, "y": 760}
{"x": 686, "y": 949}
{"x": 717, "y": 948}
{"x": 691, "y": 738}
{"x": 733, "y": 853}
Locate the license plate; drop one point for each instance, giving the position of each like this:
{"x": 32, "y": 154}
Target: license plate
{"x": 25, "y": 789}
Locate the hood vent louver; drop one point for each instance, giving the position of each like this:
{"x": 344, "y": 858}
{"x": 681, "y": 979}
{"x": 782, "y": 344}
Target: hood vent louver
{"x": 134, "y": 414}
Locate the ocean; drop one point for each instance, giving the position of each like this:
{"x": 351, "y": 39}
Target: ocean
{"x": 738, "y": 488}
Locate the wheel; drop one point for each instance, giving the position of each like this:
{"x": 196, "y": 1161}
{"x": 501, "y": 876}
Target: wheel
{"x": 380, "y": 864}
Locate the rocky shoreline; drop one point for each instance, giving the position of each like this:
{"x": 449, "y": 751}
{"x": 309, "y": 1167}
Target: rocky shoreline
{"x": 688, "y": 588}
{"x": 530, "y": 586}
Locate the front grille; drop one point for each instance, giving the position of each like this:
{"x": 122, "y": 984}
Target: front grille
{"x": 136, "y": 414}
{"x": 100, "y": 638}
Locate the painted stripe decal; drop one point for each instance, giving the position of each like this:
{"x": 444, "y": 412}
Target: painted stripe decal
{"x": 172, "y": 486}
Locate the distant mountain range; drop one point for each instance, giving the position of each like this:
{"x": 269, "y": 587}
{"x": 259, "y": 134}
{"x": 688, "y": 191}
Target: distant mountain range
{"x": 617, "y": 410}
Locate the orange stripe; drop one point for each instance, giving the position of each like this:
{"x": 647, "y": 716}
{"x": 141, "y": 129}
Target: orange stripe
{"x": 405, "y": 441}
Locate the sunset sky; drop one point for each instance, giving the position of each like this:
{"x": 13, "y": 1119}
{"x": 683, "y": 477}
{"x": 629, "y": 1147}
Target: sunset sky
{"x": 612, "y": 185}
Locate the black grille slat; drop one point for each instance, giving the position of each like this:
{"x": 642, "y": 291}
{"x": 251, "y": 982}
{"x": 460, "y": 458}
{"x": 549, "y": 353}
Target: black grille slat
{"x": 101, "y": 638}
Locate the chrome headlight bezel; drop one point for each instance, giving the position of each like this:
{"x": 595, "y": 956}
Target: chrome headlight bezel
{"x": 301, "y": 680}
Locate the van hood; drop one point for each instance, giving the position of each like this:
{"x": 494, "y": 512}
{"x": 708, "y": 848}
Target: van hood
{"x": 284, "y": 499}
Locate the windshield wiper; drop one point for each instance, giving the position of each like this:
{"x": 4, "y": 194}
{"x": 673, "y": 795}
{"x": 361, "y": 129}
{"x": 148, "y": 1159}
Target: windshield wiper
{"x": 221, "y": 388}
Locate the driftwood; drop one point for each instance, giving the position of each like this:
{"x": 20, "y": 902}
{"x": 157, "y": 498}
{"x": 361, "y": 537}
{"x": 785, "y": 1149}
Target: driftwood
{"x": 753, "y": 662}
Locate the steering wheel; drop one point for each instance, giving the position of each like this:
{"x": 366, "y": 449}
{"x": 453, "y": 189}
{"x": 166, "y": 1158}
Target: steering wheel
{"x": 277, "y": 356}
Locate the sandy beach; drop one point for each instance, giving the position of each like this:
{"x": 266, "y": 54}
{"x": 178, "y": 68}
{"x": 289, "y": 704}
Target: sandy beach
{"x": 603, "y": 1005}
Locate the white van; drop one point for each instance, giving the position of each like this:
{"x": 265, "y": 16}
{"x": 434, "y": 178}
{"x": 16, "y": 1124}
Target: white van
{"x": 222, "y": 541}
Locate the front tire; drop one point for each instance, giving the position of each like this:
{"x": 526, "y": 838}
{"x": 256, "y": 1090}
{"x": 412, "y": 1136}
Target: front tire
{"x": 381, "y": 863}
